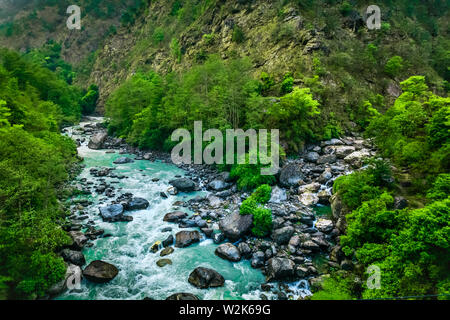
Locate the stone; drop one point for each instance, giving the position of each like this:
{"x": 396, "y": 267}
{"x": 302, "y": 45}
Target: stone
{"x": 172, "y": 191}
{"x": 356, "y": 158}
{"x": 291, "y": 175}
{"x": 324, "y": 225}
{"x": 283, "y": 235}
{"x": 278, "y": 195}
{"x": 136, "y": 204}
{"x": 327, "y": 159}
{"x": 97, "y": 140}
{"x": 186, "y": 238}
{"x": 312, "y": 187}
{"x": 112, "y": 213}
{"x": 182, "y": 296}
{"x": 218, "y": 237}
{"x": 74, "y": 257}
{"x": 175, "y": 216}
{"x": 312, "y": 156}
{"x": 204, "y": 278}
{"x": 258, "y": 259}
{"x": 324, "y": 197}
{"x": 228, "y": 252}
{"x": 79, "y": 239}
{"x": 235, "y": 225}
{"x": 310, "y": 245}
{"x": 219, "y": 185}
{"x": 280, "y": 268}
{"x": 308, "y": 199}
{"x": 245, "y": 250}
{"x": 400, "y": 203}
{"x": 100, "y": 272}
{"x": 183, "y": 184}
{"x": 123, "y": 160}
{"x": 168, "y": 241}
{"x": 163, "y": 262}
{"x": 343, "y": 151}
{"x": 325, "y": 176}
{"x": 166, "y": 251}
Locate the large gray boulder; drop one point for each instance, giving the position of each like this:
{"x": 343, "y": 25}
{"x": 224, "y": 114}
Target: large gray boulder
{"x": 183, "y": 184}
{"x": 235, "y": 225}
{"x": 278, "y": 195}
{"x": 100, "y": 272}
{"x": 97, "y": 140}
{"x": 204, "y": 278}
{"x": 291, "y": 175}
{"x": 136, "y": 204}
{"x": 280, "y": 268}
{"x": 123, "y": 160}
{"x": 283, "y": 235}
{"x": 112, "y": 213}
{"x": 175, "y": 216}
{"x": 79, "y": 239}
{"x": 186, "y": 238}
{"x": 228, "y": 251}
{"x": 219, "y": 185}
{"x": 74, "y": 257}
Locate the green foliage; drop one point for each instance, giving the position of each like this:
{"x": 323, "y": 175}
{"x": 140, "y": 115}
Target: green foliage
{"x": 415, "y": 129}
{"x": 287, "y": 84}
{"x": 262, "y": 217}
{"x": 441, "y": 188}
{"x": 394, "y": 66}
{"x": 34, "y": 161}
{"x": 334, "y": 288}
{"x": 238, "y": 35}
{"x": 158, "y": 36}
{"x": 89, "y": 100}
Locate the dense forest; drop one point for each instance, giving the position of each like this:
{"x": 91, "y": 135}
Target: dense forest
{"x": 389, "y": 85}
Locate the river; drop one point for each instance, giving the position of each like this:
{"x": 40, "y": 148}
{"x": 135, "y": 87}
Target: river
{"x": 128, "y": 247}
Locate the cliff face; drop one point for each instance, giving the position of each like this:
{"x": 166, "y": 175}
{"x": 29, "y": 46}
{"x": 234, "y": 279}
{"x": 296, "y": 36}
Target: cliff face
{"x": 228, "y": 28}
{"x": 324, "y": 45}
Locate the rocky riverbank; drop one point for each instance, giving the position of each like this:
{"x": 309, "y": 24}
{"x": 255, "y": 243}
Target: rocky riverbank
{"x": 302, "y": 245}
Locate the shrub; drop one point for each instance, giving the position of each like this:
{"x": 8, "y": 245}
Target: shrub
{"x": 262, "y": 222}
{"x": 238, "y": 35}
{"x": 394, "y": 66}
{"x": 262, "y": 193}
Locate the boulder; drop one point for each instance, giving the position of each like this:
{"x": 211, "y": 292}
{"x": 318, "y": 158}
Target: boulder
{"x": 163, "y": 262}
{"x": 343, "y": 151}
{"x": 79, "y": 239}
{"x": 278, "y": 195}
{"x": 258, "y": 259}
{"x": 245, "y": 250}
{"x": 123, "y": 160}
{"x": 324, "y": 197}
{"x": 356, "y": 158}
{"x": 219, "y": 185}
{"x": 97, "y": 140}
{"x": 324, "y": 225}
{"x": 308, "y": 199}
{"x": 204, "y": 278}
{"x": 168, "y": 241}
{"x": 100, "y": 272}
{"x": 282, "y": 235}
{"x": 312, "y": 187}
{"x": 112, "y": 212}
{"x": 291, "y": 175}
{"x": 280, "y": 268}
{"x": 186, "y": 238}
{"x": 175, "y": 216}
{"x": 312, "y": 156}
{"x": 166, "y": 251}
{"x": 137, "y": 204}
{"x": 228, "y": 252}
{"x": 74, "y": 257}
{"x": 235, "y": 225}
{"x": 182, "y": 296}
{"x": 183, "y": 184}
{"x": 327, "y": 159}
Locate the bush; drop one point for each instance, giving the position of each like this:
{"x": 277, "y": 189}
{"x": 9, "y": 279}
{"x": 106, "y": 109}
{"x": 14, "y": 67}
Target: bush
{"x": 262, "y": 217}
{"x": 394, "y": 66}
{"x": 262, "y": 193}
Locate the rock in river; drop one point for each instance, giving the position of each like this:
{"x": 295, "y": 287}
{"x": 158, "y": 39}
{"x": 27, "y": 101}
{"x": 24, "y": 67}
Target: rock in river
{"x": 228, "y": 251}
{"x": 100, "y": 271}
{"x": 182, "y": 296}
{"x": 280, "y": 268}
{"x": 163, "y": 262}
{"x": 235, "y": 226}
{"x": 112, "y": 213}
{"x": 137, "y": 204}
{"x": 183, "y": 184}
{"x": 283, "y": 235}
{"x": 291, "y": 175}
{"x": 75, "y": 257}
{"x": 175, "y": 216}
{"x": 97, "y": 140}
{"x": 186, "y": 238}
{"x": 204, "y": 278}
{"x": 123, "y": 160}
